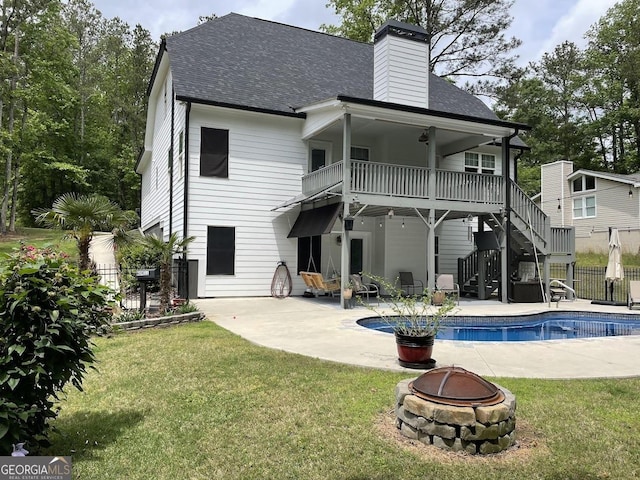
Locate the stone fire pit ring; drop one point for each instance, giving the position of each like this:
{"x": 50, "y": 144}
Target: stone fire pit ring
{"x": 475, "y": 429}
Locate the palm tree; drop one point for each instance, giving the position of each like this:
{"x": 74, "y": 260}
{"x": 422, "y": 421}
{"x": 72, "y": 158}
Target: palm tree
{"x": 166, "y": 251}
{"x": 81, "y": 216}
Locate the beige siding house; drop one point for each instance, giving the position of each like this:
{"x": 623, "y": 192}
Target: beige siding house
{"x": 592, "y": 202}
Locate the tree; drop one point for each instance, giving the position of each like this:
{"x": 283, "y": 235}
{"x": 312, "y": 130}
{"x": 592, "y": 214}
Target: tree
{"x": 81, "y": 216}
{"x": 466, "y": 37}
{"x": 614, "y": 90}
{"x": 550, "y": 98}
{"x": 165, "y": 251}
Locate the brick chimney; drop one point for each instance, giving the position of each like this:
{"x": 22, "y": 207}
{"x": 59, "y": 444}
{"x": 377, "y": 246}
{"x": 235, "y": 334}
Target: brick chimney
{"x": 401, "y": 64}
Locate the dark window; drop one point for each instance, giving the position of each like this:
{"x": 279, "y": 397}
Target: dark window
{"x": 214, "y": 152}
{"x": 221, "y": 250}
{"x": 360, "y": 153}
{"x": 318, "y": 159}
{"x": 577, "y": 184}
{"x": 357, "y": 257}
{"x": 590, "y": 183}
{"x": 309, "y": 249}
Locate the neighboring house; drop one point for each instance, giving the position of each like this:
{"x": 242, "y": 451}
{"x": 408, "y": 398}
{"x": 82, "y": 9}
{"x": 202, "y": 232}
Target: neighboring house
{"x": 592, "y": 202}
{"x": 269, "y": 142}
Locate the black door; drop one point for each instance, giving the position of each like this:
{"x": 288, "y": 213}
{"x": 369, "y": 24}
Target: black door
{"x": 356, "y": 263}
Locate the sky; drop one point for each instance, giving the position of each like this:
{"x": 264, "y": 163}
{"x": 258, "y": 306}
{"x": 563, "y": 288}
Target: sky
{"x": 540, "y": 24}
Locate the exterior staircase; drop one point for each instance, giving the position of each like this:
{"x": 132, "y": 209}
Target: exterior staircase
{"x": 532, "y": 238}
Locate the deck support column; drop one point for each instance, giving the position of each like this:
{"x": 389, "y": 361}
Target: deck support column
{"x": 345, "y": 257}
{"x": 431, "y": 227}
{"x": 505, "y": 239}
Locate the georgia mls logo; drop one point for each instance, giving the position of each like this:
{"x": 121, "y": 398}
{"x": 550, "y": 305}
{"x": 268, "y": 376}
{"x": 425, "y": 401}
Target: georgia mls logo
{"x": 35, "y": 468}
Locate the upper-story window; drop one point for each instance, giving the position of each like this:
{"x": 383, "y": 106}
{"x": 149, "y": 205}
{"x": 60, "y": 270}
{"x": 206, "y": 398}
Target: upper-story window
{"x": 360, "y": 153}
{"x": 584, "y": 183}
{"x": 479, "y": 162}
{"x": 319, "y": 154}
{"x": 584, "y": 206}
{"x": 214, "y": 152}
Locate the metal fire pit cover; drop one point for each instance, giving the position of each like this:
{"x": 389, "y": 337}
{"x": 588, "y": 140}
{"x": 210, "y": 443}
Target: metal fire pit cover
{"x": 455, "y": 386}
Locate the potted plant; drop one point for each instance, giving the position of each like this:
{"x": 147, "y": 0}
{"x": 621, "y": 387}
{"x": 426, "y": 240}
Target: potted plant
{"x": 438, "y": 297}
{"x": 415, "y": 323}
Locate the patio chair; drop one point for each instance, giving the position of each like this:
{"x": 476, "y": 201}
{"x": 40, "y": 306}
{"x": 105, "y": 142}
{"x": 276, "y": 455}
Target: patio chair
{"x": 407, "y": 283}
{"x": 317, "y": 283}
{"x": 634, "y": 293}
{"x": 361, "y": 288}
{"x": 445, "y": 283}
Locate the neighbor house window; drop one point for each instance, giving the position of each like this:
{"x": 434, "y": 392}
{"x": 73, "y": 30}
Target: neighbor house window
{"x": 584, "y": 183}
{"x": 584, "y": 207}
{"x": 479, "y": 163}
{"x": 360, "y": 153}
{"x": 214, "y": 152}
{"x": 221, "y": 250}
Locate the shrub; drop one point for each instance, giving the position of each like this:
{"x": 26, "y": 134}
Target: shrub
{"x": 186, "y": 307}
{"x": 48, "y": 312}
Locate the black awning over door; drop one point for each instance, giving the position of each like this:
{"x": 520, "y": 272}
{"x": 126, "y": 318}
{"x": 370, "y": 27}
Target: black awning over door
{"x": 315, "y": 222}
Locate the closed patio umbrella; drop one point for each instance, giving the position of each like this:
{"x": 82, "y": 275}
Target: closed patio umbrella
{"x": 614, "y": 271}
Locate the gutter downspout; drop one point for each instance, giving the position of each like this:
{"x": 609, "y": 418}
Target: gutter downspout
{"x": 185, "y": 213}
{"x": 170, "y": 159}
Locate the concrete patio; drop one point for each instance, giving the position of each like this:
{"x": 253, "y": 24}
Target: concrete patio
{"x": 318, "y": 327}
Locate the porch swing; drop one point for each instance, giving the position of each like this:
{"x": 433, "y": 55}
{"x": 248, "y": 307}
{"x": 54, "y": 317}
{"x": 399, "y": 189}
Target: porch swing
{"x": 316, "y": 283}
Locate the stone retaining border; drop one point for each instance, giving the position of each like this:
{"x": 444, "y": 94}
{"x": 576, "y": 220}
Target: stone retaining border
{"x": 160, "y": 321}
{"x": 483, "y": 429}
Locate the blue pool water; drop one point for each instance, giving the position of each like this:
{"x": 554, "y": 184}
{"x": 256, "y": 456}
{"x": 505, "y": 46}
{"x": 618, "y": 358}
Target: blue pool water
{"x": 540, "y": 326}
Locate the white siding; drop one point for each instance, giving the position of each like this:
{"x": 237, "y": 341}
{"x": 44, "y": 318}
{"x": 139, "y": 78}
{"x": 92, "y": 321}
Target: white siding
{"x": 267, "y": 159}
{"x": 155, "y": 177}
{"x": 401, "y": 71}
{"x": 454, "y": 242}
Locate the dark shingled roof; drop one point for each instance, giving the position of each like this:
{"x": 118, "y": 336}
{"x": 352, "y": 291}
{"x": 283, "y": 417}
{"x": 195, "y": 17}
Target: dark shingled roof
{"x": 263, "y": 65}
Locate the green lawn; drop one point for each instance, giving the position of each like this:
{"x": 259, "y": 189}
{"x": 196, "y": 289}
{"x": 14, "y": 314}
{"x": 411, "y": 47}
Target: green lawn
{"x": 38, "y": 237}
{"x": 197, "y": 402}
{"x": 591, "y": 259}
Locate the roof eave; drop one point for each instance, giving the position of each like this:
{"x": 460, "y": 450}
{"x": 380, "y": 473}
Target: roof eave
{"x": 433, "y": 113}
{"x": 247, "y": 108}
{"x": 156, "y": 66}
{"x": 604, "y": 176}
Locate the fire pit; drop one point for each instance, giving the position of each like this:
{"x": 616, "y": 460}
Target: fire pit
{"x": 455, "y": 409}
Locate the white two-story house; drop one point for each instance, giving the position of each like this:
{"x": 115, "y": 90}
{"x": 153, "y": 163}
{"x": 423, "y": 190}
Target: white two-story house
{"x": 269, "y": 143}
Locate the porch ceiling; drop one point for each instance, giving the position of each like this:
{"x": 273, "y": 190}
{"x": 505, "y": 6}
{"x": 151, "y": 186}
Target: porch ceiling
{"x": 381, "y": 211}
{"x": 446, "y": 140}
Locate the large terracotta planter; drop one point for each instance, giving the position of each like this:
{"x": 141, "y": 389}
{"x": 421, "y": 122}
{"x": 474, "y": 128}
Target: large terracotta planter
{"x": 415, "y": 352}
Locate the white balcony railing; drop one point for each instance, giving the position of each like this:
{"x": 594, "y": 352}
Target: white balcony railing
{"x": 469, "y": 187}
{"x": 322, "y": 178}
{"x": 387, "y": 179}
{"x": 405, "y": 181}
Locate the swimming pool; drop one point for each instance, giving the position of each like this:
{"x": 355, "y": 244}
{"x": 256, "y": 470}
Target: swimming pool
{"x": 523, "y": 328}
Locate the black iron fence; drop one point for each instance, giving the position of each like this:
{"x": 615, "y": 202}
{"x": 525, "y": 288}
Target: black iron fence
{"x": 590, "y": 282}
{"x": 124, "y": 282}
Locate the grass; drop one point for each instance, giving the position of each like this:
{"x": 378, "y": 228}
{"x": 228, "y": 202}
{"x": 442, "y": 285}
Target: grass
{"x": 592, "y": 259}
{"x": 38, "y": 237}
{"x": 197, "y": 402}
